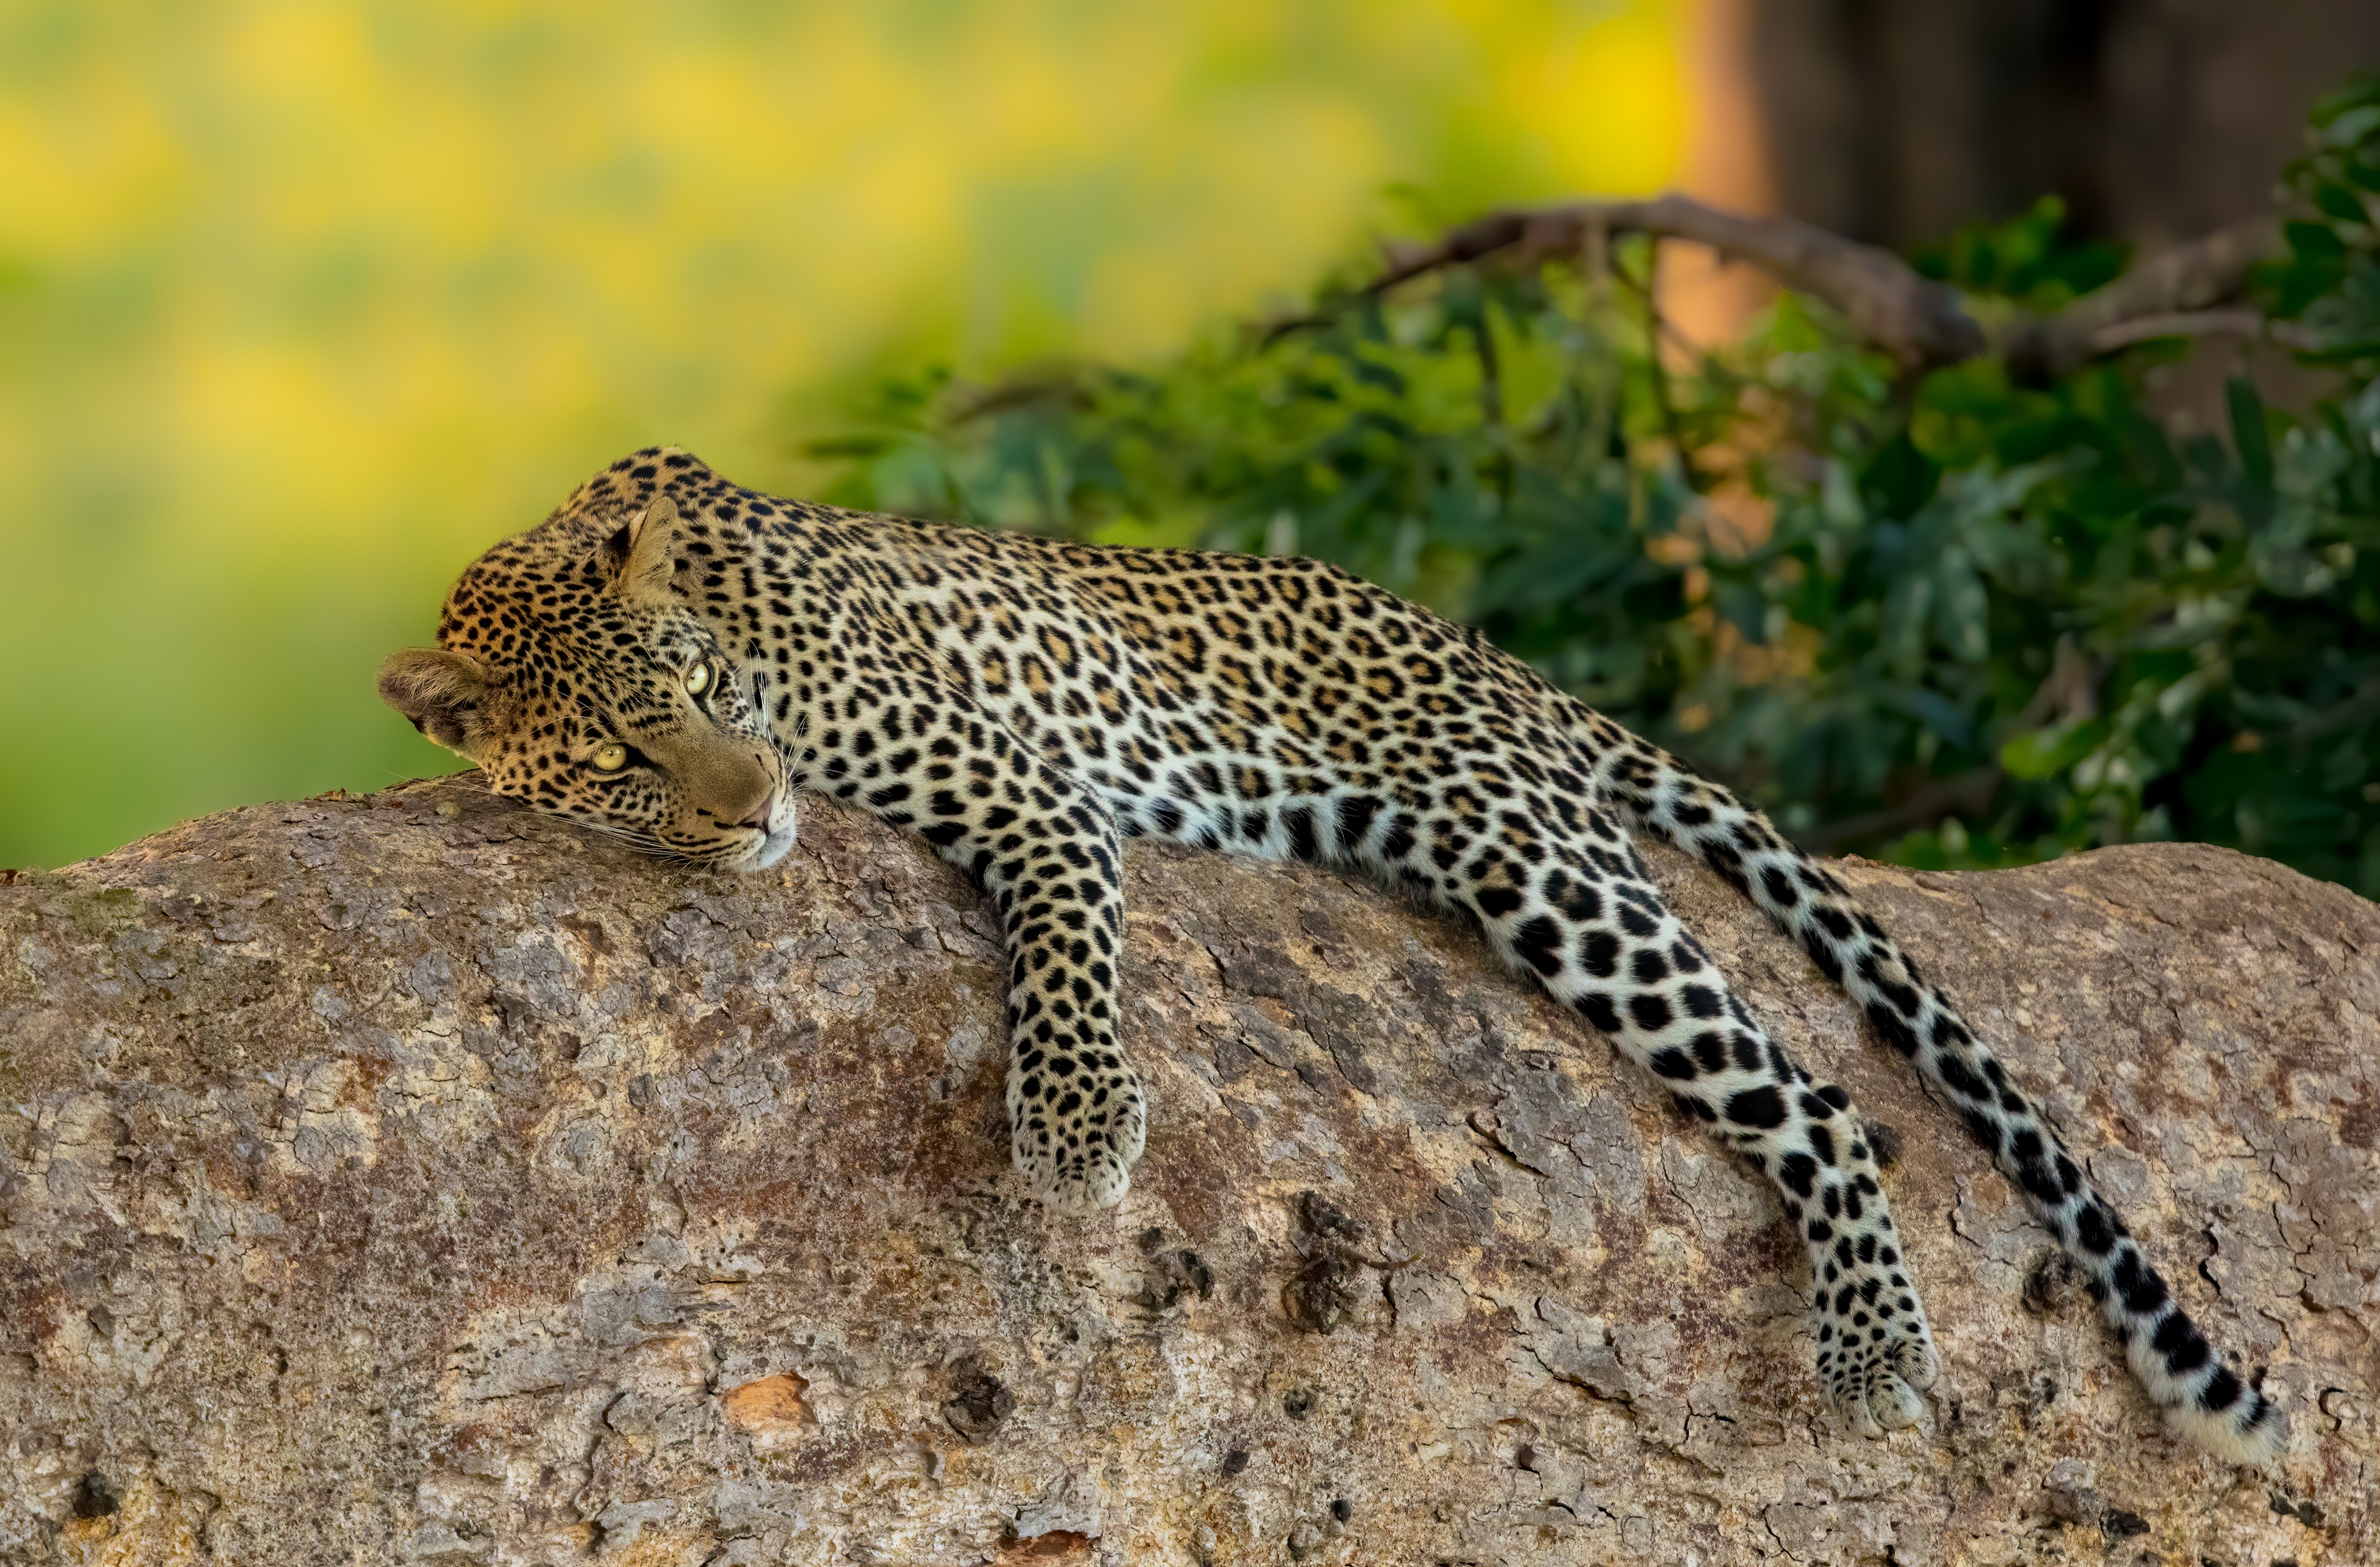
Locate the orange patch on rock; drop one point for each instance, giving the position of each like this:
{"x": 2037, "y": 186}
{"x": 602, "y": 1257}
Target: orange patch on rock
{"x": 772, "y": 1406}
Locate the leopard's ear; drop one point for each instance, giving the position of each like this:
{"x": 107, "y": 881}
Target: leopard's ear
{"x": 442, "y": 694}
{"x": 645, "y": 551}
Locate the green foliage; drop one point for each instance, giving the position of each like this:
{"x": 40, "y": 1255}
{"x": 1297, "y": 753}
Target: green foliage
{"x": 2031, "y": 261}
{"x": 2332, "y": 279}
{"x": 1953, "y": 621}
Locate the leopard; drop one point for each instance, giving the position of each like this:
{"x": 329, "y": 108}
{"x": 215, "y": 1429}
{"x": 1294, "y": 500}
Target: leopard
{"x": 673, "y": 659}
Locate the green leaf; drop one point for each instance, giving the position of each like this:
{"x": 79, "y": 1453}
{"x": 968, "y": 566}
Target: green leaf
{"x": 2250, "y": 437}
{"x": 2356, "y": 123}
{"x": 2360, "y": 92}
{"x": 1900, "y": 478}
{"x": 2045, "y": 753}
{"x": 2341, "y": 203}
{"x": 2313, "y": 241}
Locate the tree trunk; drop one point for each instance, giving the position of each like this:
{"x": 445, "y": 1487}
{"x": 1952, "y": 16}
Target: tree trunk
{"x": 2157, "y": 120}
{"x": 415, "y": 1179}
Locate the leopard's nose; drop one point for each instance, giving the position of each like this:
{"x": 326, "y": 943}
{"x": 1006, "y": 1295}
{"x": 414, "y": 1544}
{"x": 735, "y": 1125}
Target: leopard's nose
{"x": 757, "y": 817}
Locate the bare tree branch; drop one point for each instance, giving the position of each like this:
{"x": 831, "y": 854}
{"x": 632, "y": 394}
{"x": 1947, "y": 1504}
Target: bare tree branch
{"x": 1919, "y": 322}
{"x": 2180, "y": 323}
{"x": 2193, "y": 276}
{"x": 1915, "y": 319}
{"x": 2167, "y": 296}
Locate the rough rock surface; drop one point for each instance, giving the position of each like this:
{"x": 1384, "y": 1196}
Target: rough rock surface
{"x": 410, "y": 1179}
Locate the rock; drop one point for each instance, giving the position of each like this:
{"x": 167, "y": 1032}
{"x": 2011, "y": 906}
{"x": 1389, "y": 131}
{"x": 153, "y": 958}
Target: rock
{"x": 413, "y": 1179}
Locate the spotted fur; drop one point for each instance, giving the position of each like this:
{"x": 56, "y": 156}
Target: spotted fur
{"x": 1026, "y": 705}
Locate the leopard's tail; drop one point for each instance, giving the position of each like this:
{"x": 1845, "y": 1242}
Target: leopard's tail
{"x": 2204, "y": 1398}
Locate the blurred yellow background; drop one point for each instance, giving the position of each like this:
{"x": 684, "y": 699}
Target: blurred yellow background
{"x": 302, "y": 304}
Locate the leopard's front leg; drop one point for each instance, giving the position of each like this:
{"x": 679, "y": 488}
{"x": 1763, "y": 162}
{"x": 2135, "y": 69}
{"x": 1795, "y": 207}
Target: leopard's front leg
{"x": 1044, "y": 849}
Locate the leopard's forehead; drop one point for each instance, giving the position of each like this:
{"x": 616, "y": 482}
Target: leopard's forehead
{"x": 544, "y": 597}
{"x": 535, "y": 596}
{"x": 566, "y": 655}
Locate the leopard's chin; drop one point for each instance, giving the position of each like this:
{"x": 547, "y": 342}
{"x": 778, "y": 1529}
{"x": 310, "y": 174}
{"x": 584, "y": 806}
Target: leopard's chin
{"x": 762, "y": 852}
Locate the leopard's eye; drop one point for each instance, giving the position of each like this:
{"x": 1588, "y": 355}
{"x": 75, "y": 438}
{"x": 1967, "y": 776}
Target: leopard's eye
{"x": 611, "y": 757}
{"x": 697, "y": 679}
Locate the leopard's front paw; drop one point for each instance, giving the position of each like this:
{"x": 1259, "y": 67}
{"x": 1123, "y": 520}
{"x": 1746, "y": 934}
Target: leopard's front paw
{"x": 1079, "y": 1156}
{"x": 1080, "y": 1184}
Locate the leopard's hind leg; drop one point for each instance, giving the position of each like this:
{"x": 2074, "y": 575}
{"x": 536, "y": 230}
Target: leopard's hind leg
{"x": 2204, "y": 1398}
{"x": 1585, "y": 918}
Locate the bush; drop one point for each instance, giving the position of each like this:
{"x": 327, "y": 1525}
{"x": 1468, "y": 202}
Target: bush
{"x": 1950, "y": 620}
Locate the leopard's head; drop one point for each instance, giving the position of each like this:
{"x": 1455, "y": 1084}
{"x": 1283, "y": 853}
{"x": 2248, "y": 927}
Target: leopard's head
{"x": 574, "y": 677}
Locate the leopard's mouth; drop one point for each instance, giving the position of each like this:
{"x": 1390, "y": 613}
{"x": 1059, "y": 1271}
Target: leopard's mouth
{"x": 764, "y": 846}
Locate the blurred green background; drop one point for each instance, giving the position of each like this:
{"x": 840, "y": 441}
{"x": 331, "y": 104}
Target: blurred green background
{"x": 302, "y": 305}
